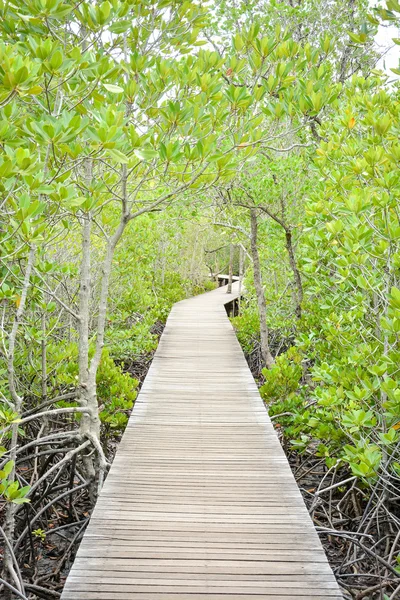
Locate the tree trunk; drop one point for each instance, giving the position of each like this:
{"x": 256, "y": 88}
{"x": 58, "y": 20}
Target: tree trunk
{"x": 44, "y": 358}
{"x": 296, "y": 273}
{"x": 45, "y": 421}
{"x": 95, "y": 466}
{"x": 90, "y": 423}
{"x": 262, "y": 306}
{"x": 298, "y": 299}
{"x": 83, "y": 346}
{"x": 231, "y": 251}
{"x": 344, "y": 62}
{"x": 194, "y": 257}
{"x": 241, "y": 261}
{"x": 9, "y": 571}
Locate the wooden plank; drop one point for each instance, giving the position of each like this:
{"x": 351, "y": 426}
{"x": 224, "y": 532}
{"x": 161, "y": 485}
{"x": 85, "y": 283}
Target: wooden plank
{"x": 218, "y": 580}
{"x": 132, "y": 595}
{"x": 200, "y": 502}
{"x": 227, "y": 587}
{"x": 243, "y": 567}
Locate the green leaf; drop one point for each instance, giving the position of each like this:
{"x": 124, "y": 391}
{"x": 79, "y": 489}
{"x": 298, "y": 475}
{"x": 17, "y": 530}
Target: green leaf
{"x": 8, "y": 467}
{"x": 76, "y": 202}
{"x": 120, "y": 26}
{"x": 146, "y": 153}
{"x": 24, "y": 491}
{"x": 115, "y": 89}
{"x": 20, "y": 500}
{"x": 362, "y": 282}
{"x": 394, "y": 297}
{"x": 56, "y": 60}
{"x": 117, "y": 155}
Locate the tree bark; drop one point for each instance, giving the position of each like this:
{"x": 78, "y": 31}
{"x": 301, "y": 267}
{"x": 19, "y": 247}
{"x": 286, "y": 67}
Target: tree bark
{"x": 85, "y": 396}
{"x": 344, "y": 63}
{"x": 17, "y": 405}
{"x": 296, "y": 273}
{"x": 94, "y": 426}
{"x": 241, "y": 261}
{"x": 231, "y": 251}
{"x": 44, "y": 358}
{"x": 262, "y": 305}
{"x": 291, "y": 255}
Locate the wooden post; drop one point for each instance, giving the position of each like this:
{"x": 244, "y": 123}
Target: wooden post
{"x": 231, "y": 251}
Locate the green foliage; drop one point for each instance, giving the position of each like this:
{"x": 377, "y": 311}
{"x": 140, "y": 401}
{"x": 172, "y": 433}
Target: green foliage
{"x": 348, "y": 399}
{"x": 282, "y": 380}
{"x": 116, "y": 390}
{"x": 40, "y": 534}
{"x": 10, "y": 489}
{"x": 247, "y": 328}
{"x": 154, "y": 268}
{"x": 116, "y": 393}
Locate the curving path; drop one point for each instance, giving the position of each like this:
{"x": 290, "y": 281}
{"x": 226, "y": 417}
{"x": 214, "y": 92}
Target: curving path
{"x": 200, "y": 502}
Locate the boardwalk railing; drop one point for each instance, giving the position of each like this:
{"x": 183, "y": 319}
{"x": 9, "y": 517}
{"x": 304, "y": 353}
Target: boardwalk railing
{"x": 223, "y": 279}
{"x": 200, "y": 502}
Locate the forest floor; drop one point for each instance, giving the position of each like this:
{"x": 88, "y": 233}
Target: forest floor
{"x": 51, "y": 553}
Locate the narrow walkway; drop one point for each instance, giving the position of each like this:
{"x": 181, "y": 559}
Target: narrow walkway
{"x": 200, "y": 502}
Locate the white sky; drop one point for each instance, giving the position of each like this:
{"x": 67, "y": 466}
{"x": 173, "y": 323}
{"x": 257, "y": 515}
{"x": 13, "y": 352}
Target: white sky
{"x": 384, "y": 42}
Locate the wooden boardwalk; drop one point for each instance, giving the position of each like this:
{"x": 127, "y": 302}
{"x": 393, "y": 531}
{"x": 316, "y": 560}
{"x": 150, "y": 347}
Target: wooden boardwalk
{"x": 200, "y": 502}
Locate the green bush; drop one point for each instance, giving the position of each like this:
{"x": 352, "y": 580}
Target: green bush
{"x": 116, "y": 392}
